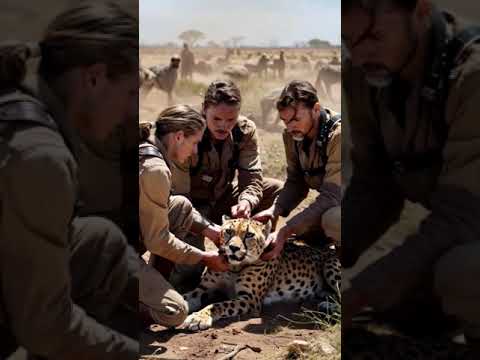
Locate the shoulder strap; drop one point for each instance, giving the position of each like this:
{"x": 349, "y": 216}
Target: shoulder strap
{"x": 149, "y": 151}
{"x": 203, "y": 146}
{"x": 462, "y": 41}
{"x": 325, "y": 130}
{"x": 439, "y": 78}
{"x": 436, "y": 92}
{"x": 237, "y": 136}
{"x": 20, "y": 107}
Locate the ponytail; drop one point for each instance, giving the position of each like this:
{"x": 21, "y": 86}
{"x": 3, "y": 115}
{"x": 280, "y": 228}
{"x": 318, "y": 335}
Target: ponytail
{"x": 144, "y": 129}
{"x": 13, "y": 63}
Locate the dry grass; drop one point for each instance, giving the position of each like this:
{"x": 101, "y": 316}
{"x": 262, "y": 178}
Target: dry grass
{"x": 326, "y": 345}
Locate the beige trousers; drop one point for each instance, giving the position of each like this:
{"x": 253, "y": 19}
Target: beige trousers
{"x": 157, "y": 296}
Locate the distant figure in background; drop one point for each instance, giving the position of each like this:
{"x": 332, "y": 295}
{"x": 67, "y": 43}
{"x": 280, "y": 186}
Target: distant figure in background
{"x": 262, "y": 66}
{"x": 335, "y": 61}
{"x": 187, "y": 63}
{"x": 327, "y": 76}
{"x": 279, "y": 65}
{"x": 145, "y": 75}
{"x": 268, "y": 104}
{"x": 229, "y": 53}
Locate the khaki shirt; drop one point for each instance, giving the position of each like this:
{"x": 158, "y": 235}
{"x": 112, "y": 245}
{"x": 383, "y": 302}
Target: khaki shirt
{"x": 38, "y": 193}
{"x": 215, "y": 176}
{"x": 299, "y": 182}
{"x": 449, "y": 188}
{"x": 101, "y": 178}
{"x": 155, "y": 184}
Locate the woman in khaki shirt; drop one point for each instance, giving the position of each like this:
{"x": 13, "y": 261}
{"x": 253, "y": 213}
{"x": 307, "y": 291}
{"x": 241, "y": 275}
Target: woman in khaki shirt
{"x": 165, "y": 219}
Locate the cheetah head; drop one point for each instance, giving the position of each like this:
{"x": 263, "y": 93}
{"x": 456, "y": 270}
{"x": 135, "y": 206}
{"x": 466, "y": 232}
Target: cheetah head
{"x": 244, "y": 240}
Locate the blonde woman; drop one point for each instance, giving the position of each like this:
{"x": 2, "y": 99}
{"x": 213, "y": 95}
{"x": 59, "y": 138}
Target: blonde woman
{"x": 166, "y": 219}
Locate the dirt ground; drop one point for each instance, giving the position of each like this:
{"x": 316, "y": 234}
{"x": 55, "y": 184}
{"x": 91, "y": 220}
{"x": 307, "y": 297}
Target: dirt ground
{"x": 270, "y": 333}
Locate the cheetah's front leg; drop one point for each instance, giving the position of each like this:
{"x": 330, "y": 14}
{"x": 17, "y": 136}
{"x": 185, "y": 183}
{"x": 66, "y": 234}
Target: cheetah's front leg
{"x": 332, "y": 276}
{"x": 210, "y": 281}
{"x": 249, "y": 300}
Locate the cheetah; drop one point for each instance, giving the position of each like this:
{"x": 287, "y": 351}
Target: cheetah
{"x": 300, "y": 273}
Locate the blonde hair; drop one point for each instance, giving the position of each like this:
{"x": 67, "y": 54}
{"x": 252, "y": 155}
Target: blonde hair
{"x": 177, "y": 118}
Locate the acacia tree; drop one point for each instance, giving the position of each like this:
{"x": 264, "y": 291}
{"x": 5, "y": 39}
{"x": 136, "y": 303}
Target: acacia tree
{"x": 236, "y": 40}
{"x": 191, "y": 37}
{"x": 317, "y": 43}
{"x": 213, "y": 44}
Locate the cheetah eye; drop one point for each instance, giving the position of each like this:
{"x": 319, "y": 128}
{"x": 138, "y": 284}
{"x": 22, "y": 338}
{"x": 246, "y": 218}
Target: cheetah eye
{"x": 228, "y": 232}
{"x": 249, "y": 234}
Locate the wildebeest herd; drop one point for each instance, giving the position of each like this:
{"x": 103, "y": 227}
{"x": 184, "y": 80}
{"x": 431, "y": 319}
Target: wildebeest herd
{"x": 275, "y": 66}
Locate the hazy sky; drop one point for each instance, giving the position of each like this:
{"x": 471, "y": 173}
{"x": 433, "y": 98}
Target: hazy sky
{"x": 259, "y": 21}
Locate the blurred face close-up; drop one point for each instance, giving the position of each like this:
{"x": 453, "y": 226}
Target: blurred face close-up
{"x": 186, "y": 146}
{"x": 221, "y": 119}
{"x": 298, "y": 120}
{"x": 112, "y": 101}
{"x": 380, "y": 41}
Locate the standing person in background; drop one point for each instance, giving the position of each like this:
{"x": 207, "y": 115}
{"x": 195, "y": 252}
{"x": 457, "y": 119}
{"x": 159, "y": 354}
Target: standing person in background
{"x": 187, "y": 63}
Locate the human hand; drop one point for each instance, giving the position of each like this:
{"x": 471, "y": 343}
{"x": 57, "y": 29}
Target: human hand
{"x": 214, "y": 233}
{"x": 275, "y": 243}
{"x": 214, "y": 261}
{"x": 265, "y": 215}
{"x": 242, "y": 210}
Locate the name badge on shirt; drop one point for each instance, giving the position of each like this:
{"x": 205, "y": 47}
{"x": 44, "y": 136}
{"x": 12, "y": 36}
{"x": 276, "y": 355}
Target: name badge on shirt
{"x": 207, "y": 178}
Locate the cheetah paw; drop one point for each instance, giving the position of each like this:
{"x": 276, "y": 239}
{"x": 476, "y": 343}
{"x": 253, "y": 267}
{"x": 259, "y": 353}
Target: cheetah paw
{"x": 329, "y": 307}
{"x": 198, "y": 321}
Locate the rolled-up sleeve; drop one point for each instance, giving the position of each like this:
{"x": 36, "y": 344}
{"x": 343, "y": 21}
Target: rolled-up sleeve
{"x": 155, "y": 184}
{"x": 329, "y": 192}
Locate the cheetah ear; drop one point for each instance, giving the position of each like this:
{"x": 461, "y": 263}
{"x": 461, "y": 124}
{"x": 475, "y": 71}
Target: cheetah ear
{"x": 267, "y": 228}
{"x": 225, "y": 218}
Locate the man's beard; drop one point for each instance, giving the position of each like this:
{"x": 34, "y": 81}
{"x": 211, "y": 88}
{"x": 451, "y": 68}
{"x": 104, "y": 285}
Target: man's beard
{"x": 298, "y": 136}
{"x": 378, "y": 75}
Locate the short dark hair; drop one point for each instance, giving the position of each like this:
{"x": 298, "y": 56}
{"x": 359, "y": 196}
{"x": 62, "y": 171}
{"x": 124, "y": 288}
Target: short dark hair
{"x": 222, "y": 92}
{"x": 295, "y": 92}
